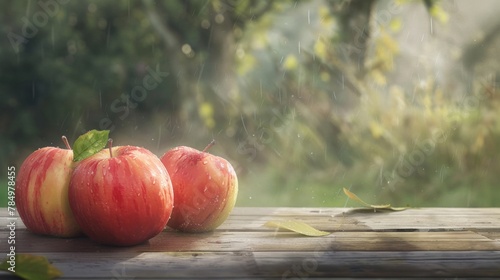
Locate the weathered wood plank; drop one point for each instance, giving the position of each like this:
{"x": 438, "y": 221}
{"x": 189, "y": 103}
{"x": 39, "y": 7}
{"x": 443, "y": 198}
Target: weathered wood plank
{"x": 169, "y": 241}
{"x": 304, "y": 265}
{"x": 155, "y": 265}
{"x": 336, "y": 219}
{"x": 282, "y": 265}
{"x": 428, "y": 242}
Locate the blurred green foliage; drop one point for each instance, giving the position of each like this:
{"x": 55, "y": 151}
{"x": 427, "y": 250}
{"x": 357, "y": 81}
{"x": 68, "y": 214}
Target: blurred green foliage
{"x": 281, "y": 90}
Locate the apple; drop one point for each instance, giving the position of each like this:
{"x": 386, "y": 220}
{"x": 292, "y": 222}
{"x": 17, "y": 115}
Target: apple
{"x": 121, "y": 196}
{"x": 205, "y": 188}
{"x": 42, "y": 192}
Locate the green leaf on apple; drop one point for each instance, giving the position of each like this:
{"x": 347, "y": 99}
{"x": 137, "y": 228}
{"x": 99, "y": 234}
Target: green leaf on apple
{"x": 89, "y": 144}
{"x": 296, "y": 226}
{"x": 354, "y": 197}
{"x": 31, "y": 267}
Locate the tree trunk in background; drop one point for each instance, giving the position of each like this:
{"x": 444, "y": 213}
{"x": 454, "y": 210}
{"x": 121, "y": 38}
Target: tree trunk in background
{"x": 474, "y": 55}
{"x": 219, "y": 68}
{"x": 354, "y": 23}
{"x": 216, "y": 74}
{"x": 178, "y": 66}
{"x": 347, "y": 62}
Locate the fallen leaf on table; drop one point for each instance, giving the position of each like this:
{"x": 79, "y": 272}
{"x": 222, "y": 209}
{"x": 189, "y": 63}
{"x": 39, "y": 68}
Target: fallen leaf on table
{"x": 296, "y": 226}
{"x": 375, "y": 207}
{"x": 31, "y": 267}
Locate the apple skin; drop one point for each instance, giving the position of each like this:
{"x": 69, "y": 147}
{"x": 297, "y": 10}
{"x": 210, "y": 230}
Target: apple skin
{"x": 42, "y": 192}
{"x": 121, "y": 200}
{"x": 205, "y": 189}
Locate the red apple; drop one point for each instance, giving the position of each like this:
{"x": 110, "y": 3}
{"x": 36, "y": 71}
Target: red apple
{"x": 42, "y": 192}
{"x": 122, "y": 196}
{"x": 205, "y": 188}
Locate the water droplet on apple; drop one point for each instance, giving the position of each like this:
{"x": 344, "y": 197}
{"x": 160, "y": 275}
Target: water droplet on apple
{"x": 249, "y": 197}
{"x": 154, "y": 181}
{"x": 205, "y": 162}
{"x": 209, "y": 177}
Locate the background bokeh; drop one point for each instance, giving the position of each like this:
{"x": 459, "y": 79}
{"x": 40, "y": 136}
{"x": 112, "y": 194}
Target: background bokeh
{"x": 396, "y": 100}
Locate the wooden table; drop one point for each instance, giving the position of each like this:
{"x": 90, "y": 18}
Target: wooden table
{"x": 428, "y": 242}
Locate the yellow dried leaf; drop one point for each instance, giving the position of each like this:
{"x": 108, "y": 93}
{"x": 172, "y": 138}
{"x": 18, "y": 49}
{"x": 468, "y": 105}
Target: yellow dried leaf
{"x": 438, "y": 13}
{"x": 206, "y": 112}
{"x": 396, "y": 24}
{"x": 320, "y": 48}
{"x": 246, "y": 64}
{"x": 376, "y": 129}
{"x": 378, "y": 77}
{"x": 354, "y": 197}
{"x": 290, "y": 62}
{"x": 296, "y": 226}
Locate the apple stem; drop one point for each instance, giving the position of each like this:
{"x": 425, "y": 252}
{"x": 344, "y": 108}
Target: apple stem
{"x": 65, "y": 141}
{"x": 209, "y": 145}
{"x": 110, "y": 145}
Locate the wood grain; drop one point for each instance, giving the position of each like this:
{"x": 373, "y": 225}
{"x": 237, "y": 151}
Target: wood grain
{"x": 428, "y": 242}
